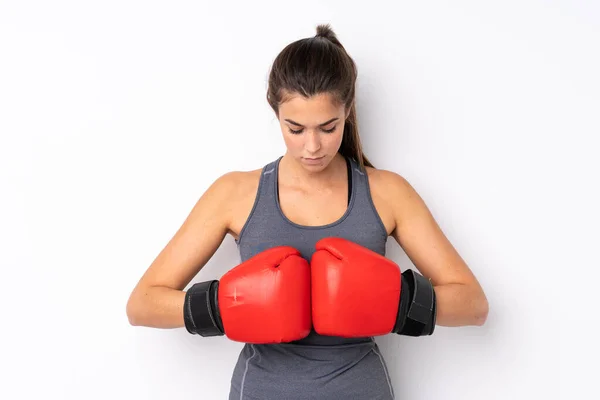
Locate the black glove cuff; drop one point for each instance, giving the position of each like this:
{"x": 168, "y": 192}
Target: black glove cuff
{"x": 417, "y": 310}
{"x": 201, "y": 309}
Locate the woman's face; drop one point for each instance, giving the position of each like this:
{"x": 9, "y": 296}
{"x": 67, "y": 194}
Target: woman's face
{"x": 312, "y": 129}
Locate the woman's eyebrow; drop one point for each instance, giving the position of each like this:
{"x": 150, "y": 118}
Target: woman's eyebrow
{"x": 323, "y": 124}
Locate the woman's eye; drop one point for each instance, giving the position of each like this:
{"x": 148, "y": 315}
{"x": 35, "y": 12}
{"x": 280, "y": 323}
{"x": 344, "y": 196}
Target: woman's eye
{"x": 301, "y": 130}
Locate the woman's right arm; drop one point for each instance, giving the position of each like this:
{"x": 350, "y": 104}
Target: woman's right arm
{"x": 157, "y": 299}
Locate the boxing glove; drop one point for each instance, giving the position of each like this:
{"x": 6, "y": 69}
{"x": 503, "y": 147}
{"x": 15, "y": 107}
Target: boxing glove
{"x": 359, "y": 293}
{"x": 265, "y": 299}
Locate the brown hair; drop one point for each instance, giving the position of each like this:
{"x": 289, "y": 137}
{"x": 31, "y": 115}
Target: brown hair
{"x": 315, "y": 65}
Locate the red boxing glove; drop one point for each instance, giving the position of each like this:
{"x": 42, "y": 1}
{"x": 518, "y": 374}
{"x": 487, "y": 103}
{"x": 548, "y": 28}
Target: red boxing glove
{"x": 358, "y": 293}
{"x": 266, "y": 299}
{"x": 355, "y": 291}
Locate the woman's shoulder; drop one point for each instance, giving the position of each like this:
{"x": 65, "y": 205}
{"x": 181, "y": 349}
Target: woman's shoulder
{"x": 395, "y": 191}
{"x": 391, "y": 187}
{"x": 385, "y": 180}
{"x": 237, "y": 196}
{"x": 237, "y": 183}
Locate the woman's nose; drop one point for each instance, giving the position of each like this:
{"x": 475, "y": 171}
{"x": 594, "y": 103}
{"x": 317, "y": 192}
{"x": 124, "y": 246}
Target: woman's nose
{"x": 313, "y": 141}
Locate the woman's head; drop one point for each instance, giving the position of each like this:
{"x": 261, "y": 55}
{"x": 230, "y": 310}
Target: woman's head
{"x": 312, "y": 92}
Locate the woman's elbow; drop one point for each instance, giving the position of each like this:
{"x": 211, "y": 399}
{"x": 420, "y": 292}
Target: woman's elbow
{"x": 483, "y": 309}
{"x": 133, "y": 310}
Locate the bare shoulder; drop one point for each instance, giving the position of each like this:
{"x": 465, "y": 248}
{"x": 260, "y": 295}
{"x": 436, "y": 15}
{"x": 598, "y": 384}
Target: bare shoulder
{"x": 388, "y": 188}
{"x": 386, "y": 179}
{"x": 232, "y": 186}
{"x": 415, "y": 228}
{"x": 240, "y": 189}
{"x": 400, "y": 199}
{"x": 237, "y": 182}
{"x": 391, "y": 186}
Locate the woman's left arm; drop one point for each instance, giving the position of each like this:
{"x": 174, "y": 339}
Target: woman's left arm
{"x": 460, "y": 298}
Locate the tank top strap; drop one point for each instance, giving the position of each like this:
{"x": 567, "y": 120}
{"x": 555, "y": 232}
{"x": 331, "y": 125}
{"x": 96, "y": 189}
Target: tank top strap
{"x": 268, "y": 183}
{"x": 264, "y": 201}
{"x": 362, "y": 200}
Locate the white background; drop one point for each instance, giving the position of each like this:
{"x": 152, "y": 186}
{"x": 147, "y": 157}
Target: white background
{"x": 115, "y": 116}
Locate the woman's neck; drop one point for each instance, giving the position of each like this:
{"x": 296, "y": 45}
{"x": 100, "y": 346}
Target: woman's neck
{"x": 294, "y": 173}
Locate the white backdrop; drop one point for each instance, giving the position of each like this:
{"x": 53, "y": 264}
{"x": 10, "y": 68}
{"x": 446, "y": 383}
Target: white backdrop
{"x": 115, "y": 116}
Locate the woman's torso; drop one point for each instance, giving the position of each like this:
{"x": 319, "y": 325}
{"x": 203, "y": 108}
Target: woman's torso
{"x": 271, "y": 213}
{"x": 309, "y": 210}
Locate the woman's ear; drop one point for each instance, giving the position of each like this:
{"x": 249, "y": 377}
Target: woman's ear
{"x": 349, "y": 109}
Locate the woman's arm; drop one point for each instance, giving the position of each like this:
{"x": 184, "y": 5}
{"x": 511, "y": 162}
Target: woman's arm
{"x": 157, "y": 299}
{"x": 460, "y": 298}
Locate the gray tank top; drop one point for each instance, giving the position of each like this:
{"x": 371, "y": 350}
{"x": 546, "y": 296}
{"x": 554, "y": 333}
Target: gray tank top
{"x": 294, "y": 370}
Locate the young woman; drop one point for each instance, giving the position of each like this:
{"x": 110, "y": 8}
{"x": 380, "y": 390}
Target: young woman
{"x": 314, "y": 286}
